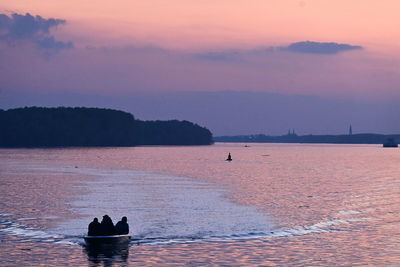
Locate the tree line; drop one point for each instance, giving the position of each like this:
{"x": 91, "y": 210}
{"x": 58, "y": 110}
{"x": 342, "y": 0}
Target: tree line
{"x": 66, "y": 126}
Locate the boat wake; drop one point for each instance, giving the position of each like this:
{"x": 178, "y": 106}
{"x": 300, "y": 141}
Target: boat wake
{"x": 26, "y": 233}
{"x": 160, "y": 205}
{"x": 318, "y": 228}
{"x": 164, "y": 209}
{"x": 10, "y": 228}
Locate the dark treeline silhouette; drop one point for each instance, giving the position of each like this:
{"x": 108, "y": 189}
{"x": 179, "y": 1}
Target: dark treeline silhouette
{"x": 172, "y": 133}
{"x": 64, "y": 126}
{"x": 328, "y": 139}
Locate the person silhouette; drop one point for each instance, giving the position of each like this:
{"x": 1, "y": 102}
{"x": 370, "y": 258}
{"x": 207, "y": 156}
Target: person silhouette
{"x": 122, "y": 226}
{"x": 107, "y": 226}
{"x": 229, "y": 157}
{"x": 94, "y": 227}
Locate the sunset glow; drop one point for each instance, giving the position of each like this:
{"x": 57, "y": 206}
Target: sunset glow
{"x": 332, "y": 49}
{"x": 188, "y": 24}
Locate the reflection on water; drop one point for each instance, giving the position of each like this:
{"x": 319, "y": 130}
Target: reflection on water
{"x": 303, "y": 205}
{"x": 163, "y": 206}
{"x": 107, "y": 254}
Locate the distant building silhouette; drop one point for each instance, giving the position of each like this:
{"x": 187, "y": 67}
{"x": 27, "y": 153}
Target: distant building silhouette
{"x": 291, "y": 132}
{"x": 315, "y": 139}
{"x": 350, "y": 130}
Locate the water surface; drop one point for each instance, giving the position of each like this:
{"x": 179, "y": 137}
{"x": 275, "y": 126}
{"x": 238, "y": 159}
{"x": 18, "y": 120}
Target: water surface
{"x": 274, "y": 204}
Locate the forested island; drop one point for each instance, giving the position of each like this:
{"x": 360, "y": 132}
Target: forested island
{"x": 97, "y": 127}
{"x": 328, "y": 139}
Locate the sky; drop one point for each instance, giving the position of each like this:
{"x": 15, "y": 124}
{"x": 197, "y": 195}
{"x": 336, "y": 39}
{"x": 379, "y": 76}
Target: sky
{"x": 198, "y": 60}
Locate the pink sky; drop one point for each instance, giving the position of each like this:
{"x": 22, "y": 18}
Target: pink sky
{"x": 178, "y": 30}
{"x": 127, "y": 48}
{"x": 192, "y": 24}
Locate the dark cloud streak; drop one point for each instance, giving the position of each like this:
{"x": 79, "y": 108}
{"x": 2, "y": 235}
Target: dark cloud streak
{"x": 306, "y": 47}
{"x": 320, "y": 48}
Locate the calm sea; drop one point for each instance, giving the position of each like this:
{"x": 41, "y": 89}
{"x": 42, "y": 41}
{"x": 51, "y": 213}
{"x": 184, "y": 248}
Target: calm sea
{"x": 273, "y": 205}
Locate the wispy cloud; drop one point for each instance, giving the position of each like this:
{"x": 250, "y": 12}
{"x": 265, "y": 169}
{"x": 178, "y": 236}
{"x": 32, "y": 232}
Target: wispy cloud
{"x": 34, "y": 29}
{"x": 306, "y": 47}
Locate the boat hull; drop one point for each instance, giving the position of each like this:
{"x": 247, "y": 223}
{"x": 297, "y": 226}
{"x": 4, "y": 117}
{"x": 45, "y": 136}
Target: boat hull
{"x": 108, "y": 239}
{"x": 390, "y": 145}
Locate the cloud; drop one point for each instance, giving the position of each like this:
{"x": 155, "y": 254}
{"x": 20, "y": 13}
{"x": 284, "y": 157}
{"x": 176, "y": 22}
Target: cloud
{"x": 34, "y": 29}
{"x": 135, "y": 69}
{"x": 224, "y": 56}
{"x": 51, "y": 43}
{"x": 319, "y": 48}
{"x": 306, "y": 47}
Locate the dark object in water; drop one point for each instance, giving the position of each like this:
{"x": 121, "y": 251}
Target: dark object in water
{"x": 390, "y": 143}
{"x": 229, "y": 157}
{"x": 107, "y": 239}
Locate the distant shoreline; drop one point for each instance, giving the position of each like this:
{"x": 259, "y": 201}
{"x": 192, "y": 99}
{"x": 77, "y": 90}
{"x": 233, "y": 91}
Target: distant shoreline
{"x": 310, "y": 139}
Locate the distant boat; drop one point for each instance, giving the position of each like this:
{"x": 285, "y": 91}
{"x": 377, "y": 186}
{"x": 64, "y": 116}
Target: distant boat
{"x": 107, "y": 239}
{"x": 390, "y": 143}
{"x": 229, "y": 157}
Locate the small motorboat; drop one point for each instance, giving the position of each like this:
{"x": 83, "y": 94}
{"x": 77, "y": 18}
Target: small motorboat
{"x": 107, "y": 239}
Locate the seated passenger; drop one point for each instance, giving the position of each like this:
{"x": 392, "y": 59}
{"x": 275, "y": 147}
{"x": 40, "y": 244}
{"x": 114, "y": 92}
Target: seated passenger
{"x": 122, "y": 226}
{"x": 107, "y": 226}
{"x": 94, "y": 227}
